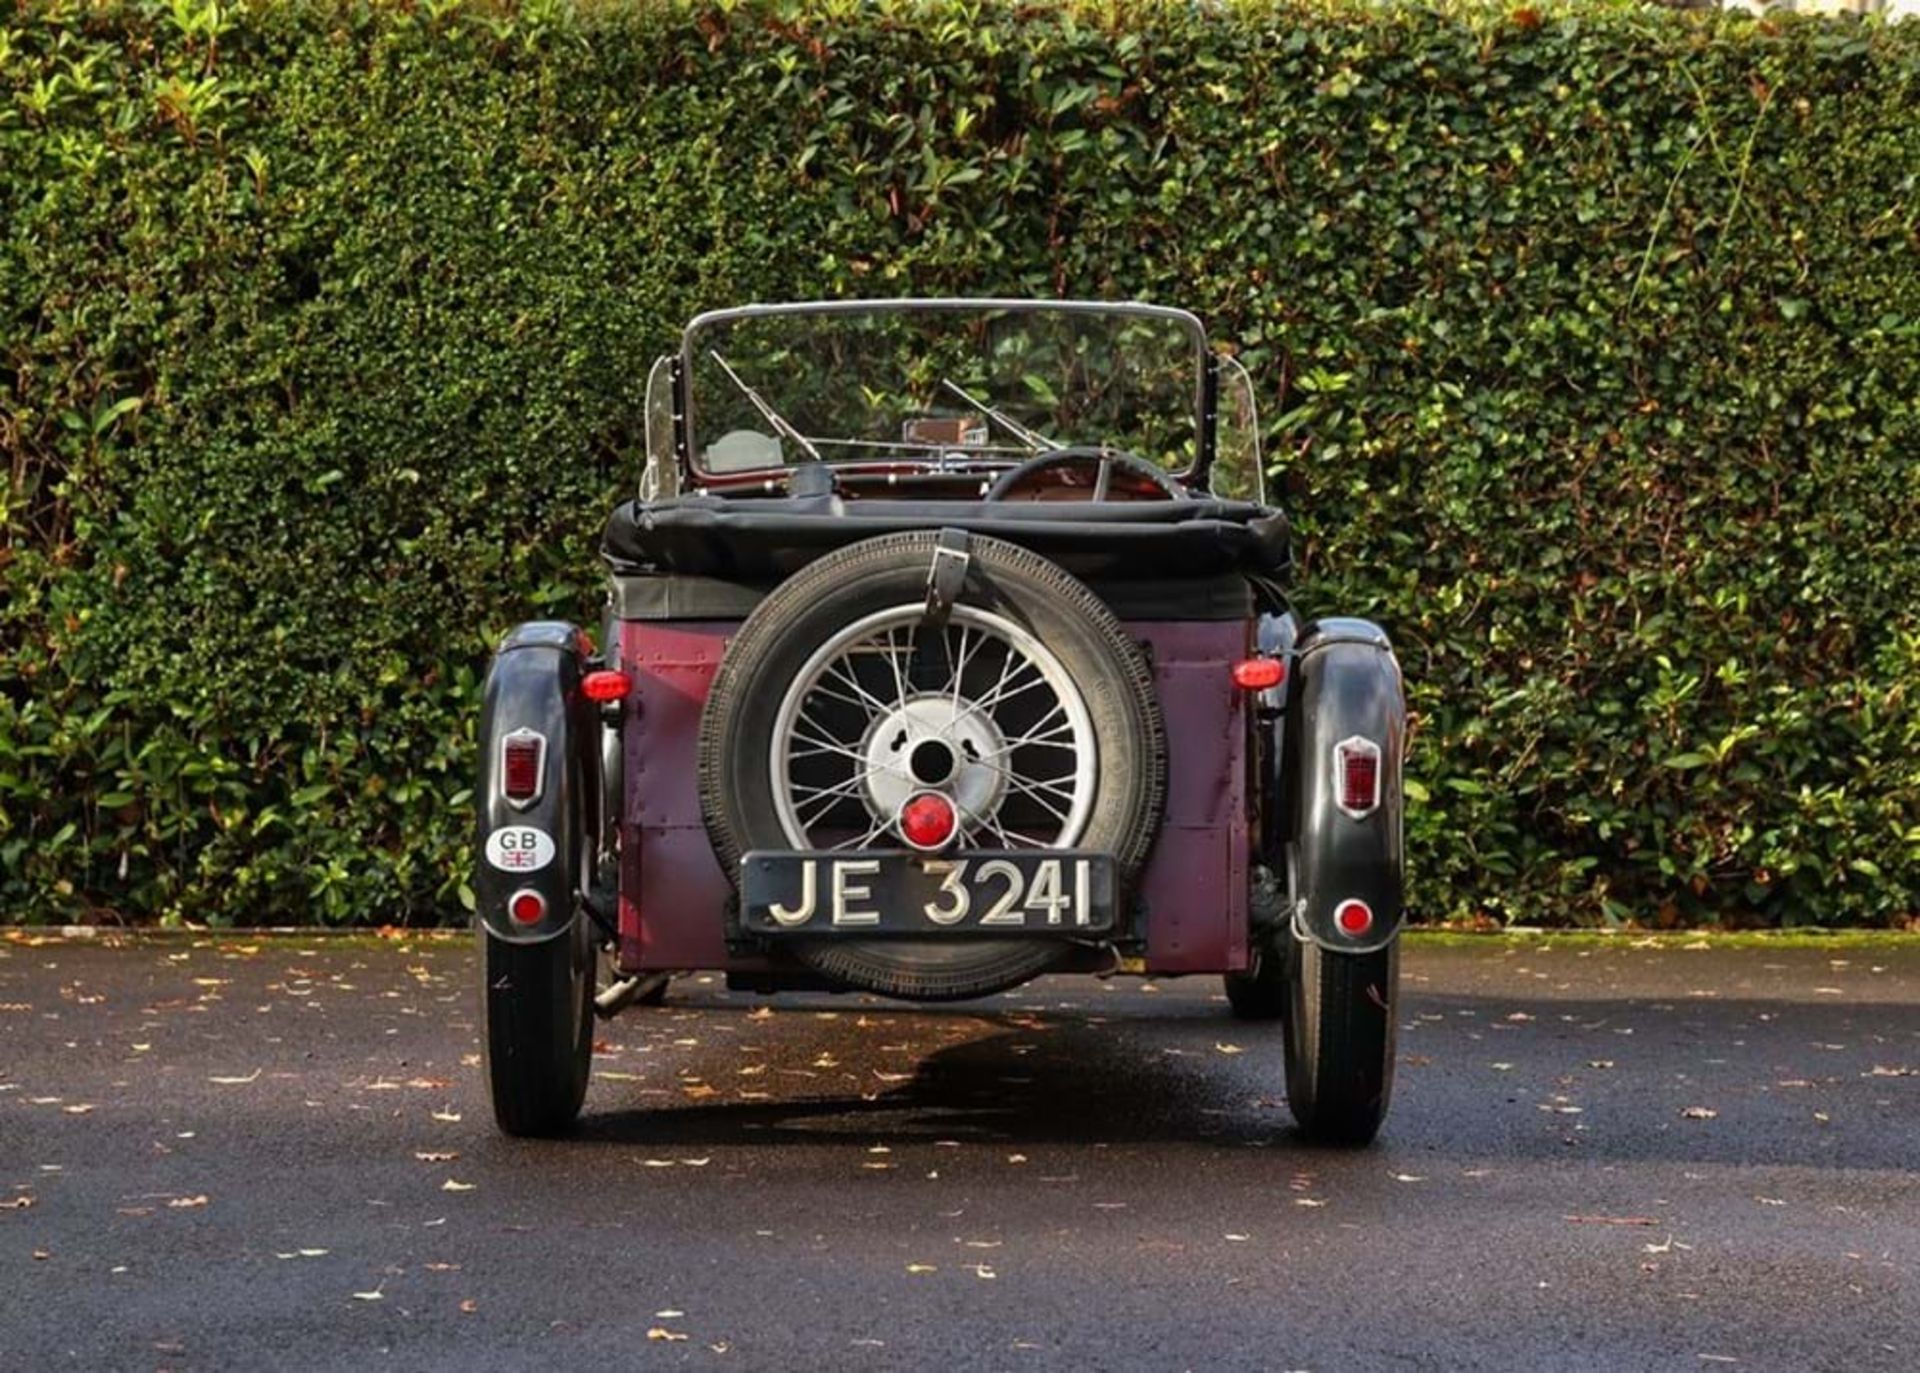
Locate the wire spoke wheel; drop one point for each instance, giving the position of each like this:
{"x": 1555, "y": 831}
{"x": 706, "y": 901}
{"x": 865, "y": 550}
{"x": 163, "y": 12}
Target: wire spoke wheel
{"x": 1031, "y": 711}
{"x": 977, "y": 709}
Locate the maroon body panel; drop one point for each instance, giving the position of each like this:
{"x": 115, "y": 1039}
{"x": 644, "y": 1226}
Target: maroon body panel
{"x": 1195, "y": 884}
{"x": 673, "y": 894}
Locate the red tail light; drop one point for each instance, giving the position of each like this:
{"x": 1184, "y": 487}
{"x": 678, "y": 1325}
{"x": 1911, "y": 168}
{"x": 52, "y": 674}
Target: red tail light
{"x": 605, "y": 686}
{"x": 523, "y": 756}
{"x": 1257, "y": 674}
{"x": 927, "y": 821}
{"x": 1354, "y": 917}
{"x": 1356, "y": 776}
{"x": 527, "y": 906}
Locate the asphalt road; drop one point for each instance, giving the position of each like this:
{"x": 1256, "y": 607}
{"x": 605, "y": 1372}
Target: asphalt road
{"x": 272, "y": 1154}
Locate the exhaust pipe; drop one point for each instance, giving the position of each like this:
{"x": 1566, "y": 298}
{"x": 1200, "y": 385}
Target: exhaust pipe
{"x": 622, "y": 994}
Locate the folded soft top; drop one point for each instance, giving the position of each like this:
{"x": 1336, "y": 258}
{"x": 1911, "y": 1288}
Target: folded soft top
{"x": 755, "y": 539}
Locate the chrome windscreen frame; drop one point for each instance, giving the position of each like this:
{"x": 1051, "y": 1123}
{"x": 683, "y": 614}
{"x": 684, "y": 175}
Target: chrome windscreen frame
{"x": 1204, "y": 374}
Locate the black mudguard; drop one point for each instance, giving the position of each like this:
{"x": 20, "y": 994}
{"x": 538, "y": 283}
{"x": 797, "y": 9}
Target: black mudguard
{"x": 534, "y": 684}
{"x": 1343, "y": 682}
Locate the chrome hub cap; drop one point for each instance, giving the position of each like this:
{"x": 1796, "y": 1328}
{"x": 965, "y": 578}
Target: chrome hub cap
{"x": 933, "y": 743}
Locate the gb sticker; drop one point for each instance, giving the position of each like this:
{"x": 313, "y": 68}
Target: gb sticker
{"x": 519, "y": 848}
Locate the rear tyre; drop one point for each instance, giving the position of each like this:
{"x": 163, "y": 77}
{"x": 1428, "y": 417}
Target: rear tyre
{"x": 537, "y": 1040}
{"x": 1259, "y": 993}
{"x": 1340, "y": 1040}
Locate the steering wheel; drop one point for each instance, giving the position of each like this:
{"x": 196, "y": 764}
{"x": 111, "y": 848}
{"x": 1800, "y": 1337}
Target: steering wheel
{"x": 1105, "y": 461}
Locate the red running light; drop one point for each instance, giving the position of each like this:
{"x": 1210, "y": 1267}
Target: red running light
{"x": 605, "y": 686}
{"x": 523, "y": 759}
{"x": 1257, "y": 674}
{"x": 527, "y": 906}
{"x": 1354, "y": 918}
{"x": 1356, "y": 767}
{"x": 927, "y": 821}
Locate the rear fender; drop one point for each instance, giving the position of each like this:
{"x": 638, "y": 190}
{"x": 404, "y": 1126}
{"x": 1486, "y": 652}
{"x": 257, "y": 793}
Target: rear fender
{"x": 545, "y": 844}
{"x": 1346, "y": 692}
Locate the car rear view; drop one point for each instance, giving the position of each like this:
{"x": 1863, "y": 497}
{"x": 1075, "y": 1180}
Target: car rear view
{"x": 947, "y": 645}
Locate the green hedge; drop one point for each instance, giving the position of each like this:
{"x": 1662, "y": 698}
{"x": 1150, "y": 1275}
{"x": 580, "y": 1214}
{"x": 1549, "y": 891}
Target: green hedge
{"x": 1589, "y": 337}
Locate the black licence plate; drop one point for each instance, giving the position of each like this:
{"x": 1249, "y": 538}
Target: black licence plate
{"x": 897, "y": 891}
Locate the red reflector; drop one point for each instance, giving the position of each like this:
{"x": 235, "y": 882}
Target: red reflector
{"x": 605, "y": 686}
{"x": 1357, "y": 776}
{"x": 927, "y": 821}
{"x": 527, "y": 906}
{"x": 1257, "y": 674}
{"x": 1353, "y": 917}
{"x": 523, "y": 755}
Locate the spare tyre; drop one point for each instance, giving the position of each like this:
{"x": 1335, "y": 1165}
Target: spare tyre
{"x": 1017, "y": 694}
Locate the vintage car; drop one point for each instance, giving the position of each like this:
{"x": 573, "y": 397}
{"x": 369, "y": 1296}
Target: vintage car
{"x": 947, "y": 645}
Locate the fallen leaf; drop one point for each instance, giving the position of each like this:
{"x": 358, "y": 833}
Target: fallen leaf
{"x": 1308, "y": 1201}
{"x": 469, "y": 1306}
{"x": 183, "y": 1203}
{"x": 432, "y": 1156}
{"x": 375, "y": 1295}
{"x": 78, "y": 1109}
{"x": 16, "y": 1203}
{"x": 1238, "y": 1239}
{"x": 451, "y": 1185}
{"x": 1406, "y": 1177}
{"x": 447, "y": 1115}
{"x": 1229, "y": 1048}
{"x": 660, "y": 1332}
{"x": 922, "y": 1268}
{"x": 253, "y": 1076}
{"x": 1699, "y": 1113}
{"x": 668, "y": 1315}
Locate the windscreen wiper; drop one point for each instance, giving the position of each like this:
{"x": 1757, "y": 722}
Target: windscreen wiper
{"x": 1033, "y": 439}
{"x": 767, "y": 412}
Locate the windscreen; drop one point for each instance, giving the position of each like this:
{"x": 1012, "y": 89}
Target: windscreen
{"x": 940, "y": 383}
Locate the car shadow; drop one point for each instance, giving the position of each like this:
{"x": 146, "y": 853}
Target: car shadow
{"x": 1472, "y": 1083}
{"x": 1073, "y": 1082}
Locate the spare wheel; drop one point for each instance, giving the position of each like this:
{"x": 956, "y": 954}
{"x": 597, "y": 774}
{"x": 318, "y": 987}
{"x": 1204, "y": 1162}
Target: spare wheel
{"x": 841, "y": 696}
